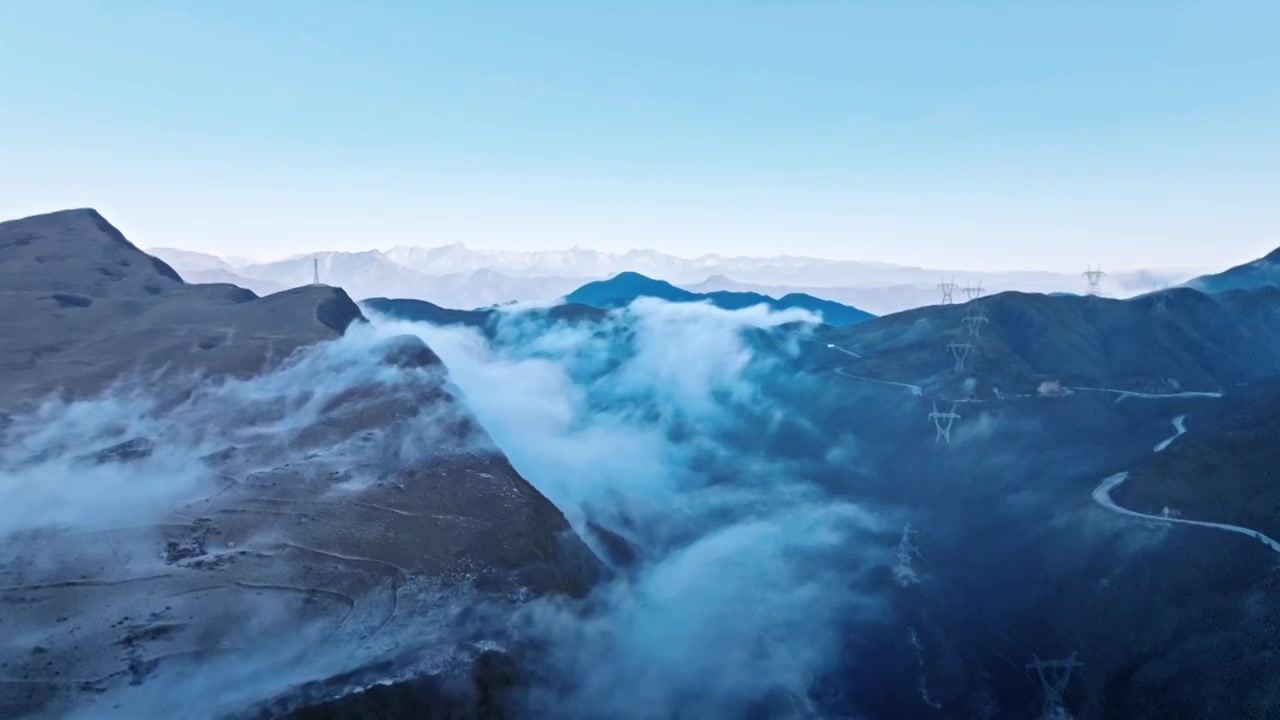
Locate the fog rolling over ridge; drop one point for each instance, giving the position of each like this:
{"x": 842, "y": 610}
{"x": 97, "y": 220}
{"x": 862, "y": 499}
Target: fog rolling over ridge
{"x": 230, "y": 530}
{"x": 740, "y": 570}
{"x": 708, "y": 527}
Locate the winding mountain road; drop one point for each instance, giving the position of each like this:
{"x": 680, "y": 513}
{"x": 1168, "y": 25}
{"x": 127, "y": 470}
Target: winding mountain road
{"x": 840, "y": 349}
{"x": 1122, "y": 394}
{"x": 1102, "y": 496}
{"x": 915, "y": 389}
{"x": 1180, "y": 429}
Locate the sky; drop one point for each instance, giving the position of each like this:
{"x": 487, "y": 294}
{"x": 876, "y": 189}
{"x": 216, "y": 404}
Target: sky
{"x": 981, "y": 134}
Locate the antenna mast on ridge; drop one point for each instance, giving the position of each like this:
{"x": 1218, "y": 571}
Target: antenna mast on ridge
{"x": 315, "y": 267}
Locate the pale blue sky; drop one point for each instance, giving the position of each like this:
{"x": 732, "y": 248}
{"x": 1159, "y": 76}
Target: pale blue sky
{"x": 980, "y": 134}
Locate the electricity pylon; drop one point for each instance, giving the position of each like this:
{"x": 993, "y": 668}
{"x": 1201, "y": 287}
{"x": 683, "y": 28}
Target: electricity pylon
{"x": 1161, "y": 306}
{"x": 903, "y": 573}
{"x": 973, "y": 292}
{"x": 974, "y": 322}
{"x": 315, "y": 269}
{"x": 960, "y": 351}
{"x": 948, "y": 290}
{"x": 1054, "y": 676}
{"x": 943, "y": 421}
{"x": 1094, "y": 279}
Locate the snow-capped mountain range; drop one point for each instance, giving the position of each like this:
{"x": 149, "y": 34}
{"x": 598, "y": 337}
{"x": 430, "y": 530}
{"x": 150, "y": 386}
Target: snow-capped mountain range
{"x": 461, "y": 277}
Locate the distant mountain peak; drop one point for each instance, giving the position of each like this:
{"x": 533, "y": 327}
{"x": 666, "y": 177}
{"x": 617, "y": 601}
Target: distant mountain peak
{"x": 631, "y": 275}
{"x": 626, "y": 287}
{"x": 623, "y": 288}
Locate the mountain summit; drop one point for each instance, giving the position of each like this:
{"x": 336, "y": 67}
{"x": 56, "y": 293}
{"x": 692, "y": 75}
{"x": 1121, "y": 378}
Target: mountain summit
{"x": 622, "y": 289}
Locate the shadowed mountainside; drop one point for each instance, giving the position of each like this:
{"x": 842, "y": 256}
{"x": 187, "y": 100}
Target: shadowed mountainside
{"x": 1175, "y": 340}
{"x": 1226, "y": 468}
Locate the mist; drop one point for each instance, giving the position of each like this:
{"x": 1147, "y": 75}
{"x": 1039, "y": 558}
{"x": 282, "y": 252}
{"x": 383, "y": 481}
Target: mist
{"x": 735, "y": 575}
{"x": 748, "y": 572}
{"x": 141, "y": 448}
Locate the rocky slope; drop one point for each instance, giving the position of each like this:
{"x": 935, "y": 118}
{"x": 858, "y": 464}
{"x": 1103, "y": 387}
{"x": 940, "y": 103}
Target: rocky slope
{"x": 233, "y": 496}
{"x": 82, "y": 306}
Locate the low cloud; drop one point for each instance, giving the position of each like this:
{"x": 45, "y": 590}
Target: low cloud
{"x": 138, "y": 450}
{"x": 652, "y": 426}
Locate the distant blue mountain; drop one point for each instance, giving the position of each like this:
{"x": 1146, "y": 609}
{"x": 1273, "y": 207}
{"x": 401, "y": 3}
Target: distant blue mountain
{"x": 623, "y": 288}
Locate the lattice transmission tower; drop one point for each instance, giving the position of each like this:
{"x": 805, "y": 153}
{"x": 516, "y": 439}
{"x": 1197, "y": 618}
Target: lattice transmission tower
{"x": 948, "y": 289}
{"x": 1054, "y": 676}
{"x": 1093, "y": 277}
{"x": 961, "y": 352}
{"x": 974, "y": 320}
{"x": 904, "y": 572}
{"x": 943, "y": 422}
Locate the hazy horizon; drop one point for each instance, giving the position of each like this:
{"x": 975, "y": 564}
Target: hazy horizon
{"x": 265, "y": 259}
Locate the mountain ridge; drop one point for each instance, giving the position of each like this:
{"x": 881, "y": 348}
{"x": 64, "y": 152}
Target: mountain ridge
{"x": 1265, "y": 271}
{"x": 1166, "y": 342}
